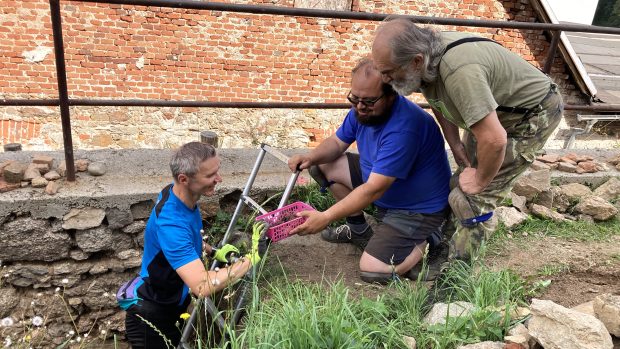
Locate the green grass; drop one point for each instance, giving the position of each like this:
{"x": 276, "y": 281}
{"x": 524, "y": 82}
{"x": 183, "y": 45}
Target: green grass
{"x": 574, "y": 230}
{"x": 553, "y": 269}
{"x": 293, "y": 314}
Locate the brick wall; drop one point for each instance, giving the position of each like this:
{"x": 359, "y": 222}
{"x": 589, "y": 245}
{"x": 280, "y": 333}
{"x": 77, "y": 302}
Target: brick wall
{"x": 133, "y": 52}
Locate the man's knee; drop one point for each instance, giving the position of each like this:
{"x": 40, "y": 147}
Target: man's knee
{"x": 317, "y": 174}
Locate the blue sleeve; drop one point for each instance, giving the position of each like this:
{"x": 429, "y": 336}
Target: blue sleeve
{"x": 397, "y": 153}
{"x": 348, "y": 130}
{"x": 176, "y": 243}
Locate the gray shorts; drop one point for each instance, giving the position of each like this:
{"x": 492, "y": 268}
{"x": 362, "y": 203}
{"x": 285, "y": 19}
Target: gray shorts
{"x": 398, "y": 232}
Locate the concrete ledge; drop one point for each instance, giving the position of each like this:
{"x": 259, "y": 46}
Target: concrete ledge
{"x": 138, "y": 175}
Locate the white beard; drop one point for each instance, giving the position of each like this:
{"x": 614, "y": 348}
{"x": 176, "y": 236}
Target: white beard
{"x": 409, "y": 84}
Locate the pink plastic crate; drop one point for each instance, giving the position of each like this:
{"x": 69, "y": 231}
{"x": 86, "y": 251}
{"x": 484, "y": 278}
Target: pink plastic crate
{"x": 283, "y": 220}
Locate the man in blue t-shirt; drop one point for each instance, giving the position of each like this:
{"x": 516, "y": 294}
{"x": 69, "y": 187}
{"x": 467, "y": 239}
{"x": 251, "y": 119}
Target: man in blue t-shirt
{"x": 171, "y": 263}
{"x": 402, "y": 168}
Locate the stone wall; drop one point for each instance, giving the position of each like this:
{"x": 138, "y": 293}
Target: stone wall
{"x": 137, "y": 52}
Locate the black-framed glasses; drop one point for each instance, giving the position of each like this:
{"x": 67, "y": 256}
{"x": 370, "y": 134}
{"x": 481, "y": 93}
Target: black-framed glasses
{"x": 369, "y": 102}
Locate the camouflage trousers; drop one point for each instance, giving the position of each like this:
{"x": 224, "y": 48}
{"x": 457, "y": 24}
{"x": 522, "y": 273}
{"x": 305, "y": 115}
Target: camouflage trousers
{"x": 525, "y": 138}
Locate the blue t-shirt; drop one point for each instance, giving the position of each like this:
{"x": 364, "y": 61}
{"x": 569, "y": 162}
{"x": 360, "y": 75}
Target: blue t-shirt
{"x": 171, "y": 240}
{"x": 409, "y": 147}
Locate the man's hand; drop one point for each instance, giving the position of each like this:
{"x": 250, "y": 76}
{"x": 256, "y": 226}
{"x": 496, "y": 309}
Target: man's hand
{"x": 222, "y": 254}
{"x": 316, "y": 221}
{"x": 303, "y": 161}
{"x": 468, "y": 181}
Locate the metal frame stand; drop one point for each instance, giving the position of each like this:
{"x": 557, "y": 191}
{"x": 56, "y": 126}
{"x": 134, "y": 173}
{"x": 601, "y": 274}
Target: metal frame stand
{"x": 244, "y": 199}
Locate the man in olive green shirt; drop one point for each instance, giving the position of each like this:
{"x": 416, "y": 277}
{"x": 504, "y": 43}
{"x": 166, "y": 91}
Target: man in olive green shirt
{"x": 507, "y": 107}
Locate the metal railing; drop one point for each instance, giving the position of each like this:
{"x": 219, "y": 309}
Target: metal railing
{"x": 64, "y": 102}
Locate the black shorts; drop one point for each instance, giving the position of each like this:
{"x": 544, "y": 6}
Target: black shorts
{"x": 164, "y": 318}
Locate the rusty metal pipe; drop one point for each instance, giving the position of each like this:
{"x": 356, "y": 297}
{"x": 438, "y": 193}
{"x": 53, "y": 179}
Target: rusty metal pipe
{"x": 304, "y": 12}
{"x": 63, "y": 94}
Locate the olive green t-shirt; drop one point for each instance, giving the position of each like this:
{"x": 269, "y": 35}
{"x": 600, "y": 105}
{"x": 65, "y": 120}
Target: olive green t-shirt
{"x": 476, "y": 77}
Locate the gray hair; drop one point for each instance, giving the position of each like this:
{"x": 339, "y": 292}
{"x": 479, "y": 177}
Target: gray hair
{"x": 412, "y": 40}
{"x": 187, "y": 159}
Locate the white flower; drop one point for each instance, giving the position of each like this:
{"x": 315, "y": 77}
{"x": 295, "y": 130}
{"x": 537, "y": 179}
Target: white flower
{"x": 103, "y": 332}
{"x": 32, "y": 303}
{"x": 7, "y": 342}
{"x": 57, "y": 289}
{"x": 71, "y": 333}
{"x": 6, "y": 322}
{"x": 85, "y": 335}
{"x": 105, "y": 294}
{"x": 78, "y": 339}
{"x": 65, "y": 281}
{"x": 37, "y": 321}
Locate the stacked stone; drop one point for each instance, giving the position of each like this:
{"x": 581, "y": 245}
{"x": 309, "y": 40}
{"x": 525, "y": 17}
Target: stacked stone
{"x": 572, "y": 163}
{"x": 68, "y": 270}
{"x": 41, "y": 173}
{"x": 534, "y": 194}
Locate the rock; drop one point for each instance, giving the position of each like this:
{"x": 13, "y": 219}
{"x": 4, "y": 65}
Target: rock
{"x": 546, "y": 213}
{"x": 4, "y": 186}
{"x": 615, "y": 160}
{"x": 8, "y": 300}
{"x": 532, "y": 183}
{"x": 544, "y": 198}
{"x": 83, "y": 218}
{"x": 14, "y": 172}
{"x": 510, "y": 216}
{"x": 4, "y": 164}
{"x": 43, "y": 159}
{"x": 560, "y": 200}
{"x": 587, "y": 167}
{"x": 585, "y": 218}
{"x": 209, "y": 206}
{"x": 118, "y": 218}
{"x": 571, "y": 157}
{"x": 62, "y": 168}
{"x": 51, "y": 188}
{"x": 94, "y": 240}
{"x": 483, "y": 345}
{"x": 43, "y": 168}
{"x": 441, "y": 311}
{"x": 97, "y": 168}
{"x": 609, "y": 190}
{"x": 549, "y": 158}
{"x": 600, "y": 209}
{"x": 39, "y": 182}
{"x": 582, "y": 158}
{"x": 31, "y": 173}
{"x": 519, "y": 202}
{"x": 78, "y": 255}
{"x": 135, "y": 227}
{"x": 410, "y": 342}
{"x": 567, "y": 167}
{"x": 51, "y": 176}
{"x": 586, "y": 308}
{"x": 81, "y": 165}
{"x": 568, "y": 160}
{"x": 44, "y": 243}
{"x": 519, "y": 334}
{"x": 607, "y": 309}
{"x": 575, "y": 192}
{"x": 556, "y": 327}
{"x": 131, "y": 253}
{"x": 142, "y": 209}
{"x": 538, "y": 165}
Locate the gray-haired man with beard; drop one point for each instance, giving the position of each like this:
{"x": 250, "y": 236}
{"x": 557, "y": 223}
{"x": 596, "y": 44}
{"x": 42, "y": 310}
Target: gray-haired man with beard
{"x": 402, "y": 168}
{"x": 507, "y": 107}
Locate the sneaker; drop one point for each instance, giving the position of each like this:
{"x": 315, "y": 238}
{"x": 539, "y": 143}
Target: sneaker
{"x": 343, "y": 234}
{"x": 436, "y": 261}
{"x": 378, "y": 278}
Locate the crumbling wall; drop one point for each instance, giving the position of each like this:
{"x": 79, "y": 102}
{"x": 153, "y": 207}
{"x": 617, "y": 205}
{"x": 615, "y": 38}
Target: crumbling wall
{"x": 137, "y": 52}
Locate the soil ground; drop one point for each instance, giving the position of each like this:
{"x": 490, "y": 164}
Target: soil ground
{"x": 578, "y": 271}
